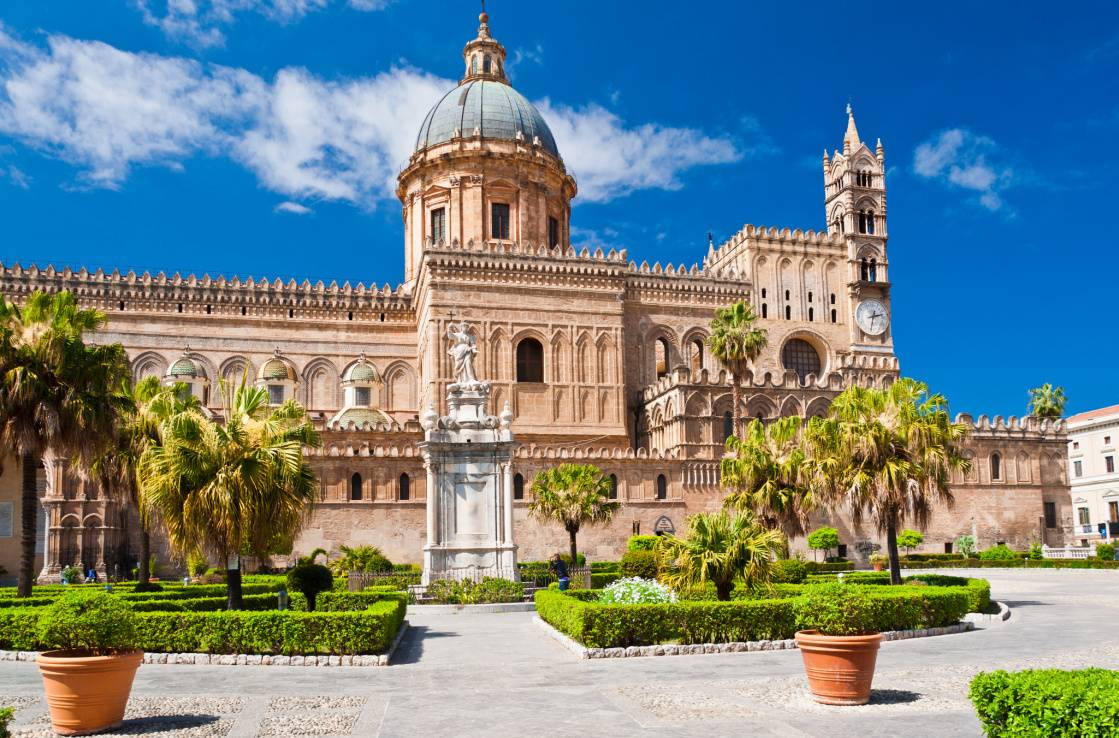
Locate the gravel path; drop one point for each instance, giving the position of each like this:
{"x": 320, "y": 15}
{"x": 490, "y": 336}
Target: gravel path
{"x": 498, "y": 675}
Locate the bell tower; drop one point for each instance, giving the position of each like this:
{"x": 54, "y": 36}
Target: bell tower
{"x": 855, "y": 207}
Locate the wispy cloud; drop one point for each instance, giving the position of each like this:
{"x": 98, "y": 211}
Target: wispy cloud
{"x": 959, "y": 158}
{"x": 293, "y": 208}
{"x": 107, "y": 111}
{"x": 202, "y": 22}
{"x": 534, "y": 55}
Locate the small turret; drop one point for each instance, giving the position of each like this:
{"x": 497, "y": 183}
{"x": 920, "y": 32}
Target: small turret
{"x": 484, "y": 57}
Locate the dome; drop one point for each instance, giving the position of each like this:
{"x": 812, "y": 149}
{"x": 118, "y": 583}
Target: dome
{"x": 497, "y": 110}
{"x": 276, "y": 368}
{"x": 362, "y": 371}
{"x": 185, "y": 367}
{"x": 360, "y": 416}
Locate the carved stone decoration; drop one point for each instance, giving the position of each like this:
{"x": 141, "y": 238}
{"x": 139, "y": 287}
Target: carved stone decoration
{"x": 463, "y": 350}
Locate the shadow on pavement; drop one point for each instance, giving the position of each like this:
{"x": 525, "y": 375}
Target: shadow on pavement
{"x": 411, "y": 649}
{"x": 893, "y": 696}
{"x": 1024, "y": 603}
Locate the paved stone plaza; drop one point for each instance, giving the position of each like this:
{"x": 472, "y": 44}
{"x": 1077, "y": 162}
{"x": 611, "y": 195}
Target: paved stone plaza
{"x": 499, "y": 675}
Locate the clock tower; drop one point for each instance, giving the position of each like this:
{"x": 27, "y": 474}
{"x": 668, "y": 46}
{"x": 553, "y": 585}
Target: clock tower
{"x": 855, "y": 206}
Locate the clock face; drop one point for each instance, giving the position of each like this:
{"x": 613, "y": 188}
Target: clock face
{"x": 872, "y": 317}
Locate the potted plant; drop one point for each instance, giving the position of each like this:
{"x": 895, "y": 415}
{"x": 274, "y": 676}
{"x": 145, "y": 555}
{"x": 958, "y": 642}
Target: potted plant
{"x": 838, "y": 643}
{"x": 89, "y": 677}
{"x": 878, "y": 561}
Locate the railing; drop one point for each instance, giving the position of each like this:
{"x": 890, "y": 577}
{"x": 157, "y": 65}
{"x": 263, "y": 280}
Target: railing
{"x": 359, "y": 580}
{"x": 474, "y": 575}
{"x": 1068, "y": 552}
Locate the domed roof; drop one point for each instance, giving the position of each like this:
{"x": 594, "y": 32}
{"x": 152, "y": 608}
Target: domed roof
{"x": 494, "y": 108}
{"x": 276, "y": 368}
{"x": 359, "y": 416}
{"x": 186, "y": 367}
{"x": 362, "y": 371}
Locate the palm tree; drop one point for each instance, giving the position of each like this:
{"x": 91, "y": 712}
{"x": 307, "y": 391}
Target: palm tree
{"x": 765, "y": 473}
{"x": 720, "y": 548}
{"x": 1047, "y": 401}
{"x": 735, "y": 341}
{"x": 572, "y": 495}
{"x": 233, "y": 486}
{"x": 890, "y": 454}
{"x": 56, "y": 395}
{"x": 150, "y": 405}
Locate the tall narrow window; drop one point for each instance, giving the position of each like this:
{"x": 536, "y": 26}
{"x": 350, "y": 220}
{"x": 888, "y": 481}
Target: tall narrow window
{"x": 1113, "y": 512}
{"x": 809, "y": 315}
{"x": 499, "y": 220}
{"x": 833, "y": 315}
{"x": 553, "y": 232}
{"x": 473, "y": 65}
{"x": 355, "y": 487}
{"x": 728, "y": 425}
{"x": 1077, "y": 469}
{"x": 613, "y": 487}
{"x": 1084, "y": 516}
{"x": 696, "y": 358}
{"x": 1050, "y": 515}
{"x": 405, "y": 487}
{"x": 864, "y": 271}
{"x": 833, "y": 298}
{"x": 530, "y": 361}
{"x": 1109, "y": 464}
{"x": 763, "y": 293}
{"x": 518, "y": 487}
{"x": 486, "y": 64}
{"x": 788, "y": 313}
{"x": 996, "y": 467}
{"x": 765, "y": 310}
{"x": 660, "y": 349}
{"x": 662, "y": 487}
{"x": 439, "y": 225}
{"x": 873, "y": 270}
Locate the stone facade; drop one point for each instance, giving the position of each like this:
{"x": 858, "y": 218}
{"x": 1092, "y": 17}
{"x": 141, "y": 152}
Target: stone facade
{"x": 600, "y": 358}
{"x": 1093, "y": 463}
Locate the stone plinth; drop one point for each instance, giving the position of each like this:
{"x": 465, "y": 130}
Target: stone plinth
{"x": 468, "y": 456}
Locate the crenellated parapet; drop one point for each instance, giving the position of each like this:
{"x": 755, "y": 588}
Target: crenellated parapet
{"x": 1028, "y": 427}
{"x": 684, "y": 377}
{"x": 208, "y": 295}
{"x": 772, "y": 238}
{"x": 614, "y": 453}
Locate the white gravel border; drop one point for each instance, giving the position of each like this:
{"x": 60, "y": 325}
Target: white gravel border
{"x": 737, "y": 647}
{"x": 248, "y": 659}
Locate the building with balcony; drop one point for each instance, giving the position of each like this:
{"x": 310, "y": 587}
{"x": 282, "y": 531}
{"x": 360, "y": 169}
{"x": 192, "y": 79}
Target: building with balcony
{"x": 1093, "y": 440}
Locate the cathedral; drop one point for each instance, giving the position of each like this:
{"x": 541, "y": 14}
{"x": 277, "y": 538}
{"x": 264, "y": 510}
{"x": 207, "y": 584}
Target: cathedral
{"x": 601, "y": 357}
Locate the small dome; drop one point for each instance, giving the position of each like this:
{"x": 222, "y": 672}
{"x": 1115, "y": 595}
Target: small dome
{"x": 494, "y": 108}
{"x": 362, "y": 371}
{"x": 360, "y": 416}
{"x": 186, "y": 368}
{"x": 276, "y": 368}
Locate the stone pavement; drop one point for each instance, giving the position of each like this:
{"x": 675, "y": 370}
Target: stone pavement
{"x": 498, "y": 675}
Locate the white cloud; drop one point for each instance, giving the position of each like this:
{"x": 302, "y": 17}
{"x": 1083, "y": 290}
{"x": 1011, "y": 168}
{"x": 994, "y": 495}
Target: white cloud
{"x": 610, "y": 160}
{"x": 960, "y": 158}
{"x": 200, "y": 22}
{"x": 106, "y": 111}
{"x": 292, "y": 207}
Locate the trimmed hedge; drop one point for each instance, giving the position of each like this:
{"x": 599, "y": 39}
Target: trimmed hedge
{"x": 817, "y": 567}
{"x": 609, "y": 626}
{"x": 1047, "y": 703}
{"x": 1015, "y": 564}
{"x": 978, "y": 590}
{"x": 338, "y": 633}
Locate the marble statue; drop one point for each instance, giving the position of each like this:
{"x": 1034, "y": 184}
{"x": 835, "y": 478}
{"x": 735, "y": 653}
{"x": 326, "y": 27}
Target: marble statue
{"x": 463, "y": 350}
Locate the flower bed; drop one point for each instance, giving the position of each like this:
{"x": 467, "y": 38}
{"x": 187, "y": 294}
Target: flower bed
{"x": 618, "y": 626}
{"x": 1047, "y": 702}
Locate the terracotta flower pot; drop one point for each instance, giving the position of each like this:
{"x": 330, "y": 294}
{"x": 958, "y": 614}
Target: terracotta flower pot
{"x": 87, "y": 694}
{"x": 878, "y": 567}
{"x": 839, "y": 668}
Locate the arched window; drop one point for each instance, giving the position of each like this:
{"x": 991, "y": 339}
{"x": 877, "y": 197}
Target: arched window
{"x": 800, "y": 356}
{"x": 473, "y": 65}
{"x": 996, "y": 467}
{"x": 518, "y": 487}
{"x": 833, "y": 315}
{"x": 788, "y": 312}
{"x": 810, "y": 313}
{"x": 613, "y": 487}
{"x": 405, "y": 487}
{"x": 728, "y": 425}
{"x": 864, "y": 271}
{"x": 866, "y": 222}
{"x": 873, "y": 270}
{"x": 660, "y": 348}
{"x": 530, "y": 361}
{"x": 696, "y": 359}
{"x": 486, "y": 64}
{"x": 662, "y": 487}
{"x": 765, "y": 310}
{"x": 355, "y": 487}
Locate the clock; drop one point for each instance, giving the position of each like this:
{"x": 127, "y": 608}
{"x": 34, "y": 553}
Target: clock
{"x": 872, "y": 317}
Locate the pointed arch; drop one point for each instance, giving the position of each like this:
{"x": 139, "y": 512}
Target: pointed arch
{"x": 400, "y": 387}
{"x": 497, "y": 362}
{"x": 148, "y": 364}
{"x": 561, "y": 357}
{"x": 584, "y": 360}
{"x": 321, "y": 385}
{"x": 234, "y": 368}
{"x": 605, "y": 368}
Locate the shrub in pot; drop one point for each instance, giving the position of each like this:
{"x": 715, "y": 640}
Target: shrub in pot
{"x": 89, "y": 677}
{"x": 878, "y": 561}
{"x": 838, "y": 643}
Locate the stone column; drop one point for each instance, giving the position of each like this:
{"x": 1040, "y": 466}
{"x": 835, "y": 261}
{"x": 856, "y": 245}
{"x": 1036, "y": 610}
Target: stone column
{"x": 507, "y": 502}
{"x": 432, "y": 493}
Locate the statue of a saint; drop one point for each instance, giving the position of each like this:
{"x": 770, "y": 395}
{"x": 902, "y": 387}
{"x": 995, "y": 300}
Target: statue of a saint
{"x": 462, "y": 351}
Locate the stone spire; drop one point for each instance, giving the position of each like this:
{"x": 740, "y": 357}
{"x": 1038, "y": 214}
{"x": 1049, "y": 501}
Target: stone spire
{"x": 851, "y": 138}
{"x": 484, "y": 56}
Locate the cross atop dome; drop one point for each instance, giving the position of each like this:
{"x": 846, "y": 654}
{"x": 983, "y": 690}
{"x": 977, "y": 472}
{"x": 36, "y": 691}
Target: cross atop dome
{"x": 484, "y": 57}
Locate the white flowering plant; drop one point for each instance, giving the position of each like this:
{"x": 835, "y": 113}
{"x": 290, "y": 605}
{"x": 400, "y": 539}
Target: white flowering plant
{"x": 636, "y": 591}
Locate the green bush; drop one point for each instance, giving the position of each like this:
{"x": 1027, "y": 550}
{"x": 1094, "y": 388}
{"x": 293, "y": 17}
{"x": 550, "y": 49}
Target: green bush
{"x": 823, "y": 539}
{"x": 1047, "y": 703}
{"x": 640, "y": 563}
{"x": 205, "y": 604}
{"x": 999, "y": 553}
{"x": 96, "y": 622}
{"x": 642, "y": 543}
{"x": 310, "y": 579}
{"x": 835, "y": 609}
{"x": 917, "y": 557}
{"x": 1105, "y": 552}
{"x": 71, "y": 575}
{"x": 788, "y": 571}
{"x": 6, "y": 715}
{"x": 816, "y": 567}
{"x": 468, "y": 592}
{"x": 606, "y": 567}
{"x": 1035, "y": 554}
{"x": 142, "y": 587}
{"x": 966, "y": 546}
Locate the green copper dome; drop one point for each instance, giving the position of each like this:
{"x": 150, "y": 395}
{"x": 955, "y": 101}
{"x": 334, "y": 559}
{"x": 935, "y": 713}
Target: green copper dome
{"x": 360, "y": 416}
{"x": 363, "y": 371}
{"x": 276, "y": 368}
{"x": 185, "y": 367}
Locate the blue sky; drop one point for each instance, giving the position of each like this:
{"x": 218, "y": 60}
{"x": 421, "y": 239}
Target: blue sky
{"x": 261, "y": 137}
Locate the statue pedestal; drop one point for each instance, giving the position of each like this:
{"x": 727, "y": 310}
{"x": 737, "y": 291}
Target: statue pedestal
{"x": 468, "y": 455}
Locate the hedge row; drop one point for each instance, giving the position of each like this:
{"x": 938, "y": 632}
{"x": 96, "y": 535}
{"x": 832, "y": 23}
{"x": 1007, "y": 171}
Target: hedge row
{"x": 337, "y": 633}
{"x": 1047, "y": 703}
{"x": 978, "y": 590}
{"x": 609, "y": 626}
{"x": 1015, "y": 564}
{"x": 821, "y": 567}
